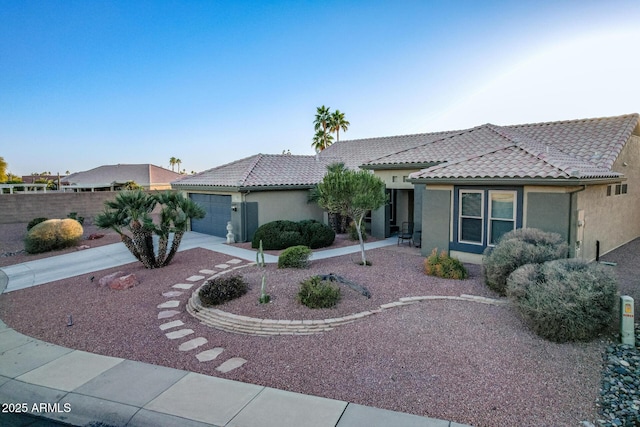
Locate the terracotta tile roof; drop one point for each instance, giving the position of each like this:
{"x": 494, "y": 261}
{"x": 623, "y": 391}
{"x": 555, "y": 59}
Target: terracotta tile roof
{"x": 143, "y": 174}
{"x": 573, "y": 149}
{"x": 263, "y": 170}
{"x": 357, "y": 152}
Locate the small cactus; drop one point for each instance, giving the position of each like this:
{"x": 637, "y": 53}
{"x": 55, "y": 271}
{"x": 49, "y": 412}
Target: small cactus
{"x": 264, "y": 297}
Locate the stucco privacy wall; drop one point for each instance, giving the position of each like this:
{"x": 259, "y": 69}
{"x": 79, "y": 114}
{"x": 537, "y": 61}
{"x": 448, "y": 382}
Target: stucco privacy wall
{"x": 613, "y": 220}
{"x": 18, "y": 207}
{"x": 292, "y": 205}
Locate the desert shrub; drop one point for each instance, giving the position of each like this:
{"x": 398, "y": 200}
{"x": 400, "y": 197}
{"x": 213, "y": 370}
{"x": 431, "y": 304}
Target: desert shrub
{"x": 222, "y": 289}
{"x": 294, "y": 257}
{"x": 353, "y": 231}
{"x": 283, "y": 234}
{"x": 35, "y": 221}
{"x": 317, "y": 293}
{"x": 53, "y": 234}
{"x": 517, "y": 248}
{"x": 74, "y": 215}
{"x": 442, "y": 265}
{"x": 272, "y": 235}
{"x": 564, "y": 300}
{"x": 316, "y": 234}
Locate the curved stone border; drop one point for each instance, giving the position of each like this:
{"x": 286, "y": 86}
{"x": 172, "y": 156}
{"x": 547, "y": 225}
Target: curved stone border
{"x": 245, "y": 325}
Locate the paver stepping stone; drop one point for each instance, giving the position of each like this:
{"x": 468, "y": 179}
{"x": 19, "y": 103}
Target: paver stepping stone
{"x": 191, "y": 344}
{"x": 167, "y": 313}
{"x": 172, "y": 324}
{"x": 222, "y": 266}
{"x": 169, "y": 304}
{"x": 183, "y": 285}
{"x": 195, "y": 278}
{"x": 234, "y": 261}
{"x": 231, "y": 364}
{"x": 179, "y": 334}
{"x": 207, "y": 355}
{"x": 172, "y": 294}
{"x": 207, "y": 272}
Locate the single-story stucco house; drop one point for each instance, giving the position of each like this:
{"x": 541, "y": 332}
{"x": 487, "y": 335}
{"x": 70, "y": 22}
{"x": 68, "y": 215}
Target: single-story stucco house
{"x": 114, "y": 177}
{"x": 462, "y": 189}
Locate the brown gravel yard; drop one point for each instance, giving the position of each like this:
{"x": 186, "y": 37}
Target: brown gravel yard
{"x": 462, "y": 361}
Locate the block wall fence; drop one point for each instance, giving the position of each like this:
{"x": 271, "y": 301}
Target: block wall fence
{"x": 15, "y": 208}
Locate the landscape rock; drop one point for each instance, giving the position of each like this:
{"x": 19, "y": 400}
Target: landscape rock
{"x": 106, "y": 280}
{"x": 124, "y": 282}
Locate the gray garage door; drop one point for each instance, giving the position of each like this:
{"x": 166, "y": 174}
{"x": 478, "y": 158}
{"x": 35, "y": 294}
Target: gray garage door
{"x": 218, "y": 212}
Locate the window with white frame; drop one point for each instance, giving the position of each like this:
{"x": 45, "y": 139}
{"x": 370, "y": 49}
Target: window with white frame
{"x": 471, "y": 223}
{"x": 502, "y": 214}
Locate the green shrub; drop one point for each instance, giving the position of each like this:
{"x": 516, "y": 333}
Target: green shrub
{"x": 353, "y": 231}
{"x": 74, "y": 215}
{"x": 35, "y": 221}
{"x": 564, "y": 300}
{"x": 283, "y": 234}
{"x": 517, "y": 248}
{"x": 53, "y": 234}
{"x": 443, "y": 265}
{"x": 317, "y": 293}
{"x": 316, "y": 234}
{"x": 294, "y": 257}
{"x": 222, "y": 289}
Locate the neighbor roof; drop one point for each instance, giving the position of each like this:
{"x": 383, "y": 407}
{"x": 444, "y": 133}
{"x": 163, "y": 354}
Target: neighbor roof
{"x": 262, "y": 171}
{"x": 143, "y": 174}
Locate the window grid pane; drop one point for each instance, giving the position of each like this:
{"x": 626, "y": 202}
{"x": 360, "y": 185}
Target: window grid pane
{"x": 502, "y": 211}
{"x": 471, "y": 219}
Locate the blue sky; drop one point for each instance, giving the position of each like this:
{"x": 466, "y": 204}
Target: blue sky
{"x": 87, "y": 83}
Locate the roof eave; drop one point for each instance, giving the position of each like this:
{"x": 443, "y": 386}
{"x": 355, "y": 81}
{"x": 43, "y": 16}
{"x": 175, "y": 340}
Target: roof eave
{"x": 517, "y": 181}
{"x": 195, "y": 187}
{"x": 388, "y": 166}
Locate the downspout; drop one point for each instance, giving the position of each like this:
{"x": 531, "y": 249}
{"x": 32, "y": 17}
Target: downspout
{"x": 571, "y": 193}
{"x": 245, "y": 236}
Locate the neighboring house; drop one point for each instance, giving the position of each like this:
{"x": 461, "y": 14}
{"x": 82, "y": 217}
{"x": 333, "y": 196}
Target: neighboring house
{"x": 114, "y": 177}
{"x": 462, "y": 189}
{"x": 253, "y": 191}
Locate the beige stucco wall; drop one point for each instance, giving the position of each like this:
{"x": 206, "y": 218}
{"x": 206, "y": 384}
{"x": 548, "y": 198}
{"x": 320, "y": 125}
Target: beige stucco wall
{"x": 613, "y": 220}
{"x": 394, "y": 178}
{"x": 290, "y": 205}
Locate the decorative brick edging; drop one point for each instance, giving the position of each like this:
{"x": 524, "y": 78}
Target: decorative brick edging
{"x": 245, "y": 325}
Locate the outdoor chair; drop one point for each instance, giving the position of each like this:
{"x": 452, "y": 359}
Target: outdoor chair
{"x": 406, "y": 233}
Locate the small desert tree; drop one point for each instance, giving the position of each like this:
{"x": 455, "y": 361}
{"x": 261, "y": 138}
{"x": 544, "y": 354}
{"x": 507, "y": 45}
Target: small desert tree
{"x": 352, "y": 194}
{"x": 130, "y": 216}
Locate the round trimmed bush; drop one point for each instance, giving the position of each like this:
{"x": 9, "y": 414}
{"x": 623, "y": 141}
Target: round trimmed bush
{"x": 564, "y": 300}
{"x": 53, "y": 234}
{"x": 35, "y": 221}
{"x": 294, "y": 257}
{"x": 317, "y": 293}
{"x": 316, "y": 234}
{"x": 283, "y": 234}
{"x": 222, "y": 289}
{"x": 517, "y": 248}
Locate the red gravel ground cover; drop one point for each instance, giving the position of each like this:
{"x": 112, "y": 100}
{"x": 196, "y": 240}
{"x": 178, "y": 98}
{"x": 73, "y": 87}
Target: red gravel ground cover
{"x": 462, "y": 361}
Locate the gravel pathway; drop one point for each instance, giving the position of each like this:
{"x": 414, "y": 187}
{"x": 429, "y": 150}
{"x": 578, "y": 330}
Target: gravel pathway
{"x": 463, "y": 361}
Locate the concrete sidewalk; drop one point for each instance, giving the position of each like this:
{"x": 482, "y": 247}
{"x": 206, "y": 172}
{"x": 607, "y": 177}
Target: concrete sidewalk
{"x": 56, "y": 384}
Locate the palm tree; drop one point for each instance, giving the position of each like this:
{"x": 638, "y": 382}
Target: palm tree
{"x": 130, "y": 216}
{"x": 321, "y": 125}
{"x": 321, "y": 140}
{"x": 172, "y": 163}
{"x": 178, "y": 162}
{"x": 337, "y": 122}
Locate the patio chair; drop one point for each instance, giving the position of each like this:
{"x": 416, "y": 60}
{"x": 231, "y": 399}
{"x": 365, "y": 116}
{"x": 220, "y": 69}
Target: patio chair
{"x": 406, "y": 233}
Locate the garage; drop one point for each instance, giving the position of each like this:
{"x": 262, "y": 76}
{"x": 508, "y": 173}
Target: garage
{"x": 218, "y": 213}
